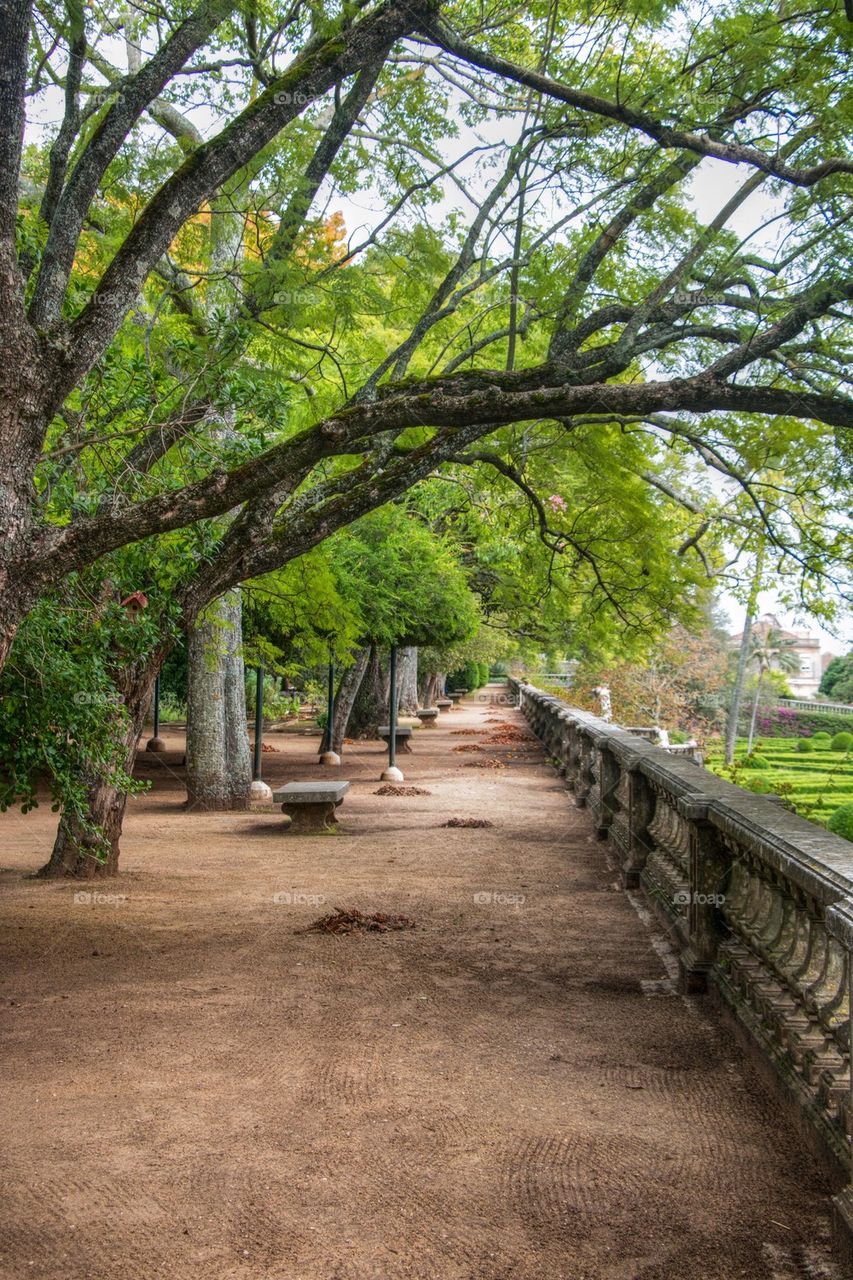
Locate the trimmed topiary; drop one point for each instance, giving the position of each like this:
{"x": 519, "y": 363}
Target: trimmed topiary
{"x": 822, "y": 733}
{"x": 760, "y": 786}
{"x": 756, "y": 762}
{"x": 842, "y": 741}
{"x": 841, "y": 822}
{"x": 805, "y": 744}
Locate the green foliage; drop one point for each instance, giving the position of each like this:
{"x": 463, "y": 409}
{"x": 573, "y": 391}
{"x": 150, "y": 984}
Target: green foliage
{"x": 842, "y": 741}
{"x": 760, "y": 786}
{"x": 277, "y": 703}
{"x": 837, "y": 681}
{"x": 403, "y": 582}
{"x": 841, "y": 822}
{"x": 62, "y": 719}
{"x": 805, "y": 744}
{"x": 468, "y": 676}
{"x": 754, "y": 761}
{"x": 484, "y": 674}
{"x": 296, "y": 618}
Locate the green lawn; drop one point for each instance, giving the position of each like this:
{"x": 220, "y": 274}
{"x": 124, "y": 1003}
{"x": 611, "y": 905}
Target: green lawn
{"x": 816, "y": 783}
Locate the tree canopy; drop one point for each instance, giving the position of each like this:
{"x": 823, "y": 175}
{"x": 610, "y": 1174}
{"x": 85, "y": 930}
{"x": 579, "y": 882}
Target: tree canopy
{"x": 535, "y": 265}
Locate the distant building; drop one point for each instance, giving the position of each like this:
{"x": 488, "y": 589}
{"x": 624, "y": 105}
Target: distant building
{"x": 805, "y": 682}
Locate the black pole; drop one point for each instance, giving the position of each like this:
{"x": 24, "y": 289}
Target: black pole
{"x": 156, "y": 706}
{"x": 392, "y": 710}
{"x": 259, "y": 723}
{"x": 330, "y": 703}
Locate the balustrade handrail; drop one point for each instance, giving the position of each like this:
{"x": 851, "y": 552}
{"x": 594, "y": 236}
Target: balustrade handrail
{"x": 806, "y": 704}
{"x": 758, "y": 901}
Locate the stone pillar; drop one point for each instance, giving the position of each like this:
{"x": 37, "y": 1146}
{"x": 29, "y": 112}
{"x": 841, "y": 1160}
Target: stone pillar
{"x": 709, "y": 866}
{"x": 641, "y": 810}
{"x": 609, "y": 774}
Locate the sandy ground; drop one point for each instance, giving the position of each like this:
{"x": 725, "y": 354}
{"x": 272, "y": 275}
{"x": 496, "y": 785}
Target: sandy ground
{"x": 194, "y": 1087}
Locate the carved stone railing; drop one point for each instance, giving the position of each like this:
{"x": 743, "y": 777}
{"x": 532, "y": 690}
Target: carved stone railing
{"x": 758, "y": 902}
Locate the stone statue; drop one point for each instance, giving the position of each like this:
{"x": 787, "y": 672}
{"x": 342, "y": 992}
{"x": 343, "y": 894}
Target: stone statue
{"x": 602, "y": 692}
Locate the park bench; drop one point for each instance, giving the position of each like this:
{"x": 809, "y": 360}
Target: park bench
{"x": 444, "y": 704}
{"x": 404, "y": 732}
{"x": 311, "y": 805}
{"x": 428, "y": 717}
{"x": 456, "y": 696}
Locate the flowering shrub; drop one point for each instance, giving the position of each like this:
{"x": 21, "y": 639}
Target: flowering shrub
{"x": 785, "y": 722}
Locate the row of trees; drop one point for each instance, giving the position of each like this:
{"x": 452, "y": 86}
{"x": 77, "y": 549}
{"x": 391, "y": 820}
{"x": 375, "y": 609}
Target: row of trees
{"x": 535, "y": 343}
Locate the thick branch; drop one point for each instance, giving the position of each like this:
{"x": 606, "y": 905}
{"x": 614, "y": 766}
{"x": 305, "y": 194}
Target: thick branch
{"x": 134, "y": 97}
{"x": 312, "y": 74}
{"x": 447, "y": 406}
{"x": 700, "y": 144}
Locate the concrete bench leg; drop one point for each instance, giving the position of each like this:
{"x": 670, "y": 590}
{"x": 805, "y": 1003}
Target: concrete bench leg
{"x": 313, "y": 817}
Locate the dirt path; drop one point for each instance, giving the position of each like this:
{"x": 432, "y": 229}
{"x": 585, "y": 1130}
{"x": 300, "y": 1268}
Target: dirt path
{"x": 513, "y": 1090}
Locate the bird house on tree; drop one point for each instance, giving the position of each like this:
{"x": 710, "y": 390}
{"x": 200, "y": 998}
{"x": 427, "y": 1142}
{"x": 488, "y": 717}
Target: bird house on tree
{"x": 134, "y": 604}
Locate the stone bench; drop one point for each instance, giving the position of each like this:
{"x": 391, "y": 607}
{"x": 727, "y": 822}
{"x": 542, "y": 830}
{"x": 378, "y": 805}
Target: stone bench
{"x": 456, "y": 696}
{"x": 428, "y": 717}
{"x": 311, "y": 805}
{"x": 444, "y": 704}
{"x": 404, "y": 732}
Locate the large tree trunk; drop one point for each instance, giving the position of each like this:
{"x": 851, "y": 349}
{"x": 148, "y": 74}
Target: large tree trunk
{"x": 238, "y": 750}
{"x": 75, "y": 851}
{"x": 407, "y": 680}
{"x": 345, "y": 699}
{"x": 218, "y": 755}
{"x": 432, "y": 687}
{"x": 370, "y": 707}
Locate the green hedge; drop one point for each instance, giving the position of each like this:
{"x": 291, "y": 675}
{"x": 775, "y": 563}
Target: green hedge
{"x": 841, "y": 822}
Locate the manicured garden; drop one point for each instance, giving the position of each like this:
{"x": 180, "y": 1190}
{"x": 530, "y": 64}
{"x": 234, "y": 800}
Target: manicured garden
{"x": 813, "y": 775}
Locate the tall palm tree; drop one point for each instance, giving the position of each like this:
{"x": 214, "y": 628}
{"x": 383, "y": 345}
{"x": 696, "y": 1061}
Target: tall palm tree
{"x": 770, "y": 651}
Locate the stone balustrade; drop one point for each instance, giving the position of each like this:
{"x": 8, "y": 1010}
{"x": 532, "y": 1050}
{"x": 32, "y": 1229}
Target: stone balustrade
{"x": 758, "y": 903}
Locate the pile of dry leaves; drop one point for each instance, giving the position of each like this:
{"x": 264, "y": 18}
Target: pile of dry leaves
{"x": 504, "y": 735}
{"x": 352, "y": 921}
{"x": 492, "y": 763}
{"x": 390, "y": 789}
{"x": 468, "y": 746}
{"x": 468, "y": 822}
